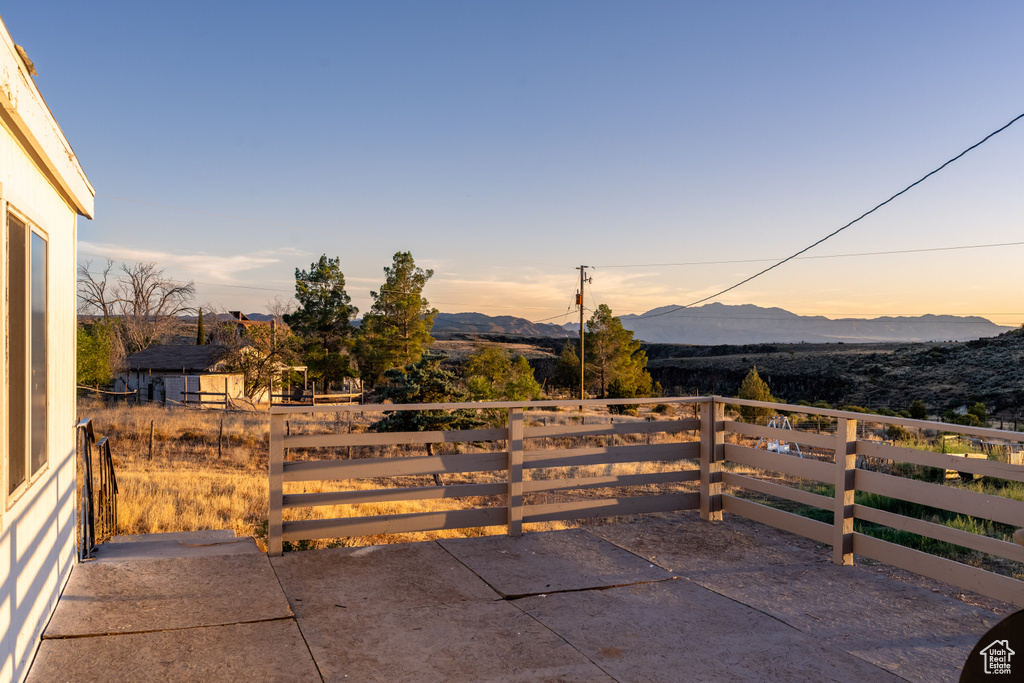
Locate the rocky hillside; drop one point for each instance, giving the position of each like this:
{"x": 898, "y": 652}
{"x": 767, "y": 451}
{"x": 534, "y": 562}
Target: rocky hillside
{"x": 943, "y": 375}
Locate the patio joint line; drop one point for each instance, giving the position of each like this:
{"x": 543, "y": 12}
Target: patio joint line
{"x": 740, "y": 602}
{"x": 589, "y": 588}
{"x": 166, "y": 630}
{"x": 558, "y": 635}
{"x": 634, "y": 554}
{"x": 501, "y": 596}
{"x": 297, "y": 624}
{"x": 563, "y": 639}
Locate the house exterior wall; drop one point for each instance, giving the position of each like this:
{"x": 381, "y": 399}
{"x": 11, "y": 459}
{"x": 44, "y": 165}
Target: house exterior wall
{"x": 42, "y": 182}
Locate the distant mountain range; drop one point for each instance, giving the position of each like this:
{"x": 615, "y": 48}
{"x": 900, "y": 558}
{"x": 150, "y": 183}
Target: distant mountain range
{"x": 748, "y": 324}
{"x": 470, "y": 323}
{"x": 715, "y": 323}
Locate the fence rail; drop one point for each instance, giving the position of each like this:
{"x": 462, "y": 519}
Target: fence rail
{"x": 516, "y": 452}
{"x": 721, "y": 454}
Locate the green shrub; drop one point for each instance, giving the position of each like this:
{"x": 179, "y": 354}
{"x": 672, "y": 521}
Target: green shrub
{"x": 754, "y": 388}
{"x": 899, "y": 433}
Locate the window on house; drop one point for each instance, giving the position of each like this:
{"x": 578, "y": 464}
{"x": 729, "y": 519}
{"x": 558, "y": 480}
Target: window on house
{"x": 38, "y": 352}
{"x": 26, "y": 352}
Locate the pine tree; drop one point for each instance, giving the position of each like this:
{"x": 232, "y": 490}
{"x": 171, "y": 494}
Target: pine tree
{"x": 491, "y": 374}
{"x": 613, "y": 356}
{"x": 567, "y": 368}
{"x": 325, "y": 309}
{"x": 200, "y": 332}
{"x": 753, "y": 388}
{"x": 422, "y": 382}
{"x": 918, "y": 410}
{"x": 396, "y": 331}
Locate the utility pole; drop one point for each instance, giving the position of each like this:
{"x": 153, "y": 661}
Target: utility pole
{"x": 579, "y": 302}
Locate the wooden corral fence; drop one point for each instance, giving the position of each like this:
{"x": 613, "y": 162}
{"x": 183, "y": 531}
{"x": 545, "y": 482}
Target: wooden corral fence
{"x": 513, "y": 458}
{"x": 311, "y": 398}
{"x": 847, "y": 478}
{"x": 717, "y": 462}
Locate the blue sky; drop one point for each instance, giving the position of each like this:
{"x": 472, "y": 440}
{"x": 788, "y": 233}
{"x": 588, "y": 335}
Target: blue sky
{"x": 506, "y": 143}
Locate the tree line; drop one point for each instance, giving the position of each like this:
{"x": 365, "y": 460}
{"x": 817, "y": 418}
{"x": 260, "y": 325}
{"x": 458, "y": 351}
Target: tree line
{"x": 388, "y": 349}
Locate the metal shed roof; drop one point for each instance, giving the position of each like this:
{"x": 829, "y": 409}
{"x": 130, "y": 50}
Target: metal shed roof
{"x": 176, "y": 358}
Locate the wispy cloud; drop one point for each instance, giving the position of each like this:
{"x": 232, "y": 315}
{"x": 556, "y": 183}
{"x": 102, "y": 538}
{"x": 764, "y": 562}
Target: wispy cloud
{"x": 221, "y": 267}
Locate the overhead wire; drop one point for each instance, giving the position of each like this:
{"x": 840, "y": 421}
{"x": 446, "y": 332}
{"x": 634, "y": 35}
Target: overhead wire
{"x": 674, "y": 309}
{"x": 563, "y": 316}
{"x": 839, "y": 230}
{"x": 819, "y": 256}
{"x": 593, "y": 297}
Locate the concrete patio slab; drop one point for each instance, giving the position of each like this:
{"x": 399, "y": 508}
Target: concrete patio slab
{"x": 676, "y": 630}
{"x": 550, "y": 562}
{"x": 265, "y": 651}
{"x": 723, "y": 601}
{"x": 169, "y": 548}
{"x": 151, "y": 595}
{"x": 202, "y": 536}
{"x": 464, "y": 641}
{"x": 910, "y": 631}
{"x": 378, "y": 577}
{"x": 413, "y": 612}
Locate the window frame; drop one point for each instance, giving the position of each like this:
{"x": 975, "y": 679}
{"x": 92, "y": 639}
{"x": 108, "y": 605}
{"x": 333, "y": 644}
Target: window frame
{"x": 10, "y": 497}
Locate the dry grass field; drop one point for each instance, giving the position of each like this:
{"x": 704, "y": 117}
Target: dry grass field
{"x": 207, "y": 469}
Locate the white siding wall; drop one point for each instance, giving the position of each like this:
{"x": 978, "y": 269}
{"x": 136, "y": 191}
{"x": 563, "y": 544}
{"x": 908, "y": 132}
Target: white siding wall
{"x": 37, "y": 540}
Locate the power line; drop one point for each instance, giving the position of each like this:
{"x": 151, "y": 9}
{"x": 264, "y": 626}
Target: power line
{"x": 592, "y": 295}
{"x": 855, "y": 220}
{"x": 565, "y": 315}
{"x": 568, "y": 310}
{"x": 820, "y": 256}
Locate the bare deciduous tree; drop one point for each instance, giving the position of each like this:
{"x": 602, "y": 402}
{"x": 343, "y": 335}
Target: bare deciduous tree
{"x": 279, "y": 307}
{"x": 145, "y": 302}
{"x": 94, "y": 295}
{"x": 261, "y": 355}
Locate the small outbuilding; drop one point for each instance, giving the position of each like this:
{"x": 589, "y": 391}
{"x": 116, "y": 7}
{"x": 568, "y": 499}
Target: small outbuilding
{"x": 184, "y": 375}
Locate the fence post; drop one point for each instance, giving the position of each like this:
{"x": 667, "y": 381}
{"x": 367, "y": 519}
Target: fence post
{"x": 515, "y": 471}
{"x": 712, "y": 452}
{"x": 846, "y": 469}
{"x": 275, "y": 521}
{"x": 151, "y": 439}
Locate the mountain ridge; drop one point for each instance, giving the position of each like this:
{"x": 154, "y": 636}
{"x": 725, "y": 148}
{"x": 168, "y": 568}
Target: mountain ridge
{"x": 717, "y": 323}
